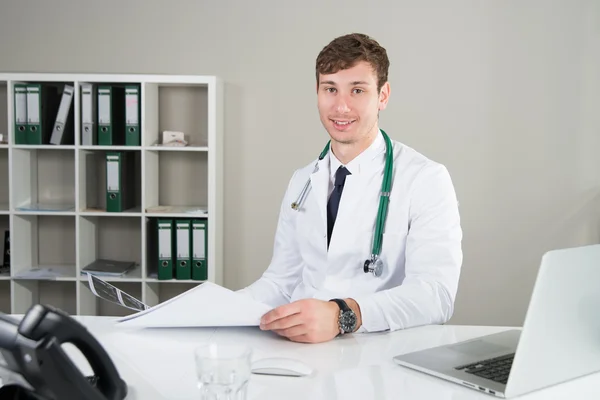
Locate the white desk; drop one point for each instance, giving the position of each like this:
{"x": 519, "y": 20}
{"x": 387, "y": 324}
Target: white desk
{"x": 159, "y": 364}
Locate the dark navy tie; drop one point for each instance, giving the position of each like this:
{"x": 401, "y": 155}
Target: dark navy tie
{"x": 334, "y": 200}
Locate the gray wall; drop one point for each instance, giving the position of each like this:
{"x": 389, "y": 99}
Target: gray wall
{"x": 505, "y": 93}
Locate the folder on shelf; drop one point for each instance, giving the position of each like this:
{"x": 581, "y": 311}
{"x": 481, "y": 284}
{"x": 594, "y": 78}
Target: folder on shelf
{"x": 20, "y": 108}
{"x": 165, "y": 248}
{"x": 120, "y": 176}
{"x": 89, "y": 134}
{"x": 199, "y": 242}
{"x": 111, "y": 115}
{"x": 62, "y": 132}
{"x": 132, "y": 115}
{"x": 183, "y": 269}
{"x": 105, "y": 267}
{"x": 42, "y": 105}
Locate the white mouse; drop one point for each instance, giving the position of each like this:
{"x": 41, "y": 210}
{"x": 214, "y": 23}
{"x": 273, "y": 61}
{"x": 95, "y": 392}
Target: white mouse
{"x": 280, "y": 366}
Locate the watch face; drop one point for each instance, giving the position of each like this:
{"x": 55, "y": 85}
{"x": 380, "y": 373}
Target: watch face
{"x": 348, "y": 321}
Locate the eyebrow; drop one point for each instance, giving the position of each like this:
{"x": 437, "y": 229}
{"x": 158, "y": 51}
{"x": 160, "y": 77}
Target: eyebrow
{"x": 351, "y": 83}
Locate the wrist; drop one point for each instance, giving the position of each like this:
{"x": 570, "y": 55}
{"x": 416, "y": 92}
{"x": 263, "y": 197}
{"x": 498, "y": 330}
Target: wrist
{"x": 356, "y": 308}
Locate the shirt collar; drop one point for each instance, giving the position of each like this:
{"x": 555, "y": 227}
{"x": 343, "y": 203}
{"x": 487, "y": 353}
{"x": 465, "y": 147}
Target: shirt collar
{"x": 359, "y": 162}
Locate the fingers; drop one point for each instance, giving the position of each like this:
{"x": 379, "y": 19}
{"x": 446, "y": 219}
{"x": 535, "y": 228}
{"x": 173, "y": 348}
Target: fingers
{"x": 293, "y": 331}
{"x": 279, "y": 313}
{"x": 285, "y": 322}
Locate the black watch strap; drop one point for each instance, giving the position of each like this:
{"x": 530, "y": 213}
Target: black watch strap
{"x": 341, "y": 304}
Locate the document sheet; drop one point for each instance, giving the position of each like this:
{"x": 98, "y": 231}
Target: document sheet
{"x": 206, "y": 305}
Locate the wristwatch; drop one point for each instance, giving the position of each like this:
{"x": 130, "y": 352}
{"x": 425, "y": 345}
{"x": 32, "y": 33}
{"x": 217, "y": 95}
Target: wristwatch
{"x": 347, "y": 317}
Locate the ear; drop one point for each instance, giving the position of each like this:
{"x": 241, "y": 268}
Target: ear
{"x": 384, "y": 96}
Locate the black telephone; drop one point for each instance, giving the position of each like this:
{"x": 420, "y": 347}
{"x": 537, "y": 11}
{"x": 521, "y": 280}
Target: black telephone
{"x": 38, "y": 368}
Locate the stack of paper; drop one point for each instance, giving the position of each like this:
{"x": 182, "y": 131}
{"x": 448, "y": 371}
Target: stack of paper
{"x": 206, "y": 305}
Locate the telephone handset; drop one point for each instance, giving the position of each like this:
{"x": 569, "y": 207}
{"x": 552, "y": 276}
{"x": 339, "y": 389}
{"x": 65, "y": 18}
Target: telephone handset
{"x": 31, "y": 357}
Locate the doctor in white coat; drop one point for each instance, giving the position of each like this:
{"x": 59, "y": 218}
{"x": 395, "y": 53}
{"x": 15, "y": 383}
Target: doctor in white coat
{"x": 316, "y": 280}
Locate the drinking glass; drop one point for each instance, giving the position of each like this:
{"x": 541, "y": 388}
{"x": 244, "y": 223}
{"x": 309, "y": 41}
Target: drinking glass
{"x": 223, "y": 371}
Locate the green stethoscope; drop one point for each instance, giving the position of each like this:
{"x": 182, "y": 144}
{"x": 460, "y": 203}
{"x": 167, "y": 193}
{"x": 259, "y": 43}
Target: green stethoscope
{"x": 374, "y": 264}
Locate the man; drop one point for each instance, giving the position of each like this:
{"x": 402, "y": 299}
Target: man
{"x": 316, "y": 280}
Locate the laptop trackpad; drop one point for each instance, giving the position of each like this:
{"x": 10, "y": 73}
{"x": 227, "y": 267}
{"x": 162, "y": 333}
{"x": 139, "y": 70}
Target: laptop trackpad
{"x": 480, "y": 348}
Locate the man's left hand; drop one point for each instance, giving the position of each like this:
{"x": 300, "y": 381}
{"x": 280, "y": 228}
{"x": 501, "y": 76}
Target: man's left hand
{"x": 306, "y": 321}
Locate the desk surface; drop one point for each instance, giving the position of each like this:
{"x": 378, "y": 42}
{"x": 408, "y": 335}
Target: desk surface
{"x": 159, "y": 364}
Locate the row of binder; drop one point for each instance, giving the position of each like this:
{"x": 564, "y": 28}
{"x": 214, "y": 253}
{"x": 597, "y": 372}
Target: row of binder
{"x": 182, "y": 245}
{"x": 110, "y": 114}
{"x": 42, "y": 114}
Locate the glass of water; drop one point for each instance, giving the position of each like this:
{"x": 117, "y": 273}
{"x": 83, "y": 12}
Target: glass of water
{"x": 223, "y": 371}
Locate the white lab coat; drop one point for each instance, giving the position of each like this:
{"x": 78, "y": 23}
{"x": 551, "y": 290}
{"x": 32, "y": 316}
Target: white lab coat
{"x": 421, "y": 250}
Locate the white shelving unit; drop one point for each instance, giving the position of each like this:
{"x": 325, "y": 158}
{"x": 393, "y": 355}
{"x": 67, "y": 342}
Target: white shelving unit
{"x": 67, "y": 240}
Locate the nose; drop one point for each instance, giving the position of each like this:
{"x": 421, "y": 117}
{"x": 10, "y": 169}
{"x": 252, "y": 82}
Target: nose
{"x": 342, "y": 105}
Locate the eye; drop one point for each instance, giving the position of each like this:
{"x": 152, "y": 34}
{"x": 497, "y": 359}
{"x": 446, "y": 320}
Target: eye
{"x": 358, "y": 91}
{"x": 330, "y": 90}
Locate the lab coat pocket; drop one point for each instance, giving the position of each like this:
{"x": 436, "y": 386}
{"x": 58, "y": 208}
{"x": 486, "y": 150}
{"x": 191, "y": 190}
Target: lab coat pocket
{"x": 311, "y": 243}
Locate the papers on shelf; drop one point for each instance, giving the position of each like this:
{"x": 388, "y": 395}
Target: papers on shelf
{"x": 51, "y": 207}
{"x": 206, "y": 305}
{"x": 46, "y": 272}
{"x": 195, "y": 210}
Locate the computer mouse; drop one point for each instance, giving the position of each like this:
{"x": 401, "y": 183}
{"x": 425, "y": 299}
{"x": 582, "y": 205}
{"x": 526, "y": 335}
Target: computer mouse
{"x": 280, "y": 366}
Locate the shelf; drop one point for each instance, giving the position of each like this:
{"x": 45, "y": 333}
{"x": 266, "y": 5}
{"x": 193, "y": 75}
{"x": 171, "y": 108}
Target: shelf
{"x": 43, "y": 176}
{"x": 169, "y": 148}
{"x": 44, "y": 147}
{"x": 134, "y": 275}
{"x": 59, "y": 294}
{"x": 180, "y": 108}
{"x": 5, "y": 305}
{"x": 131, "y": 212}
{"x": 50, "y": 213}
{"x": 43, "y": 240}
{"x": 53, "y": 198}
{"x": 92, "y": 181}
{"x": 182, "y": 179}
{"x": 104, "y": 238}
{"x": 111, "y": 148}
{"x": 4, "y": 247}
{"x": 50, "y": 95}
{"x": 45, "y": 272}
{"x": 4, "y": 180}
{"x": 3, "y": 113}
{"x": 176, "y": 212}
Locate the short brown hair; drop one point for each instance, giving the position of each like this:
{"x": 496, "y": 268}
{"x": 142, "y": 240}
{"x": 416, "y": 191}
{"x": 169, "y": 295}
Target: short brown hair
{"x": 345, "y": 51}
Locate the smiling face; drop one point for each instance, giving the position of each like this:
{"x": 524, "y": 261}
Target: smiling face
{"x": 349, "y": 103}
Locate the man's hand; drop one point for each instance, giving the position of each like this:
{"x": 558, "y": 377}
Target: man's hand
{"x": 306, "y": 321}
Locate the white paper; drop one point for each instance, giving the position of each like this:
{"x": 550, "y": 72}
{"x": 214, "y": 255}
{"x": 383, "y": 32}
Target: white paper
{"x": 206, "y": 305}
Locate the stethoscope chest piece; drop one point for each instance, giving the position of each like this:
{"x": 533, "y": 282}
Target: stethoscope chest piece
{"x": 374, "y": 266}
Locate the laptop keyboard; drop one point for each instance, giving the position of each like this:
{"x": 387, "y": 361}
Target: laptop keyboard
{"x": 496, "y": 369}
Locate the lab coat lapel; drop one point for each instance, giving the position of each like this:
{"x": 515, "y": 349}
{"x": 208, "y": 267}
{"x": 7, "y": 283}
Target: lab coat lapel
{"x": 349, "y": 212}
{"x": 319, "y": 182}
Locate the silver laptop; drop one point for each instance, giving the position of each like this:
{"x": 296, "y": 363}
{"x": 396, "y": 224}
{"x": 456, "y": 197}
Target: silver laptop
{"x": 559, "y": 341}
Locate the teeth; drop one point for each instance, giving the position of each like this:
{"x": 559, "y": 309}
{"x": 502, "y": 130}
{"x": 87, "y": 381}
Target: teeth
{"x": 342, "y": 123}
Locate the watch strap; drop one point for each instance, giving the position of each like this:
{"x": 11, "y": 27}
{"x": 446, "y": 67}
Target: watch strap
{"x": 342, "y": 304}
